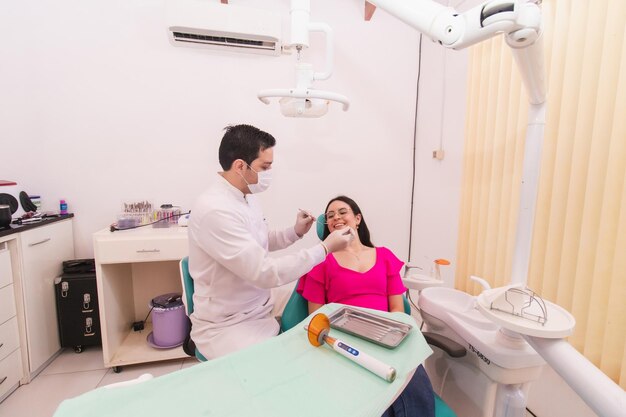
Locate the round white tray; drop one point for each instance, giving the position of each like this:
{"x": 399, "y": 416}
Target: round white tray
{"x": 559, "y": 322}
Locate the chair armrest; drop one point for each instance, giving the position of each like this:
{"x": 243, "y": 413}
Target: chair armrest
{"x": 446, "y": 344}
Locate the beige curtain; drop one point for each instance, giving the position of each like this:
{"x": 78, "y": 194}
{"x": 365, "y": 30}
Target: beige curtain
{"x": 578, "y": 255}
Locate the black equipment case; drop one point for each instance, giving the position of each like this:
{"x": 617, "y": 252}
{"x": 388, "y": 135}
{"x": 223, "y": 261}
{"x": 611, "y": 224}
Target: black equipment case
{"x": 77, "y": 310}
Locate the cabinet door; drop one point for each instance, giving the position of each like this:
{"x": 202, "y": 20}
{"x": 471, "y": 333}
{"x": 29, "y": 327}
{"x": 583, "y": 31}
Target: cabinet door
{"x": 6, "y": 273}
{"x": 43, "y": 251}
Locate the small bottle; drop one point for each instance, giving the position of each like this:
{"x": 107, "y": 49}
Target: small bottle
{"x": 62, "y": 207}
{"x": 510, "y": 401}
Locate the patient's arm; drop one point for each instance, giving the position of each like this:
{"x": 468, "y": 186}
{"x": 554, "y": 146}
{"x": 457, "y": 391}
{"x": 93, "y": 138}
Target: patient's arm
{"x": 314, "y": 306}
{"x": 396, "y": 303}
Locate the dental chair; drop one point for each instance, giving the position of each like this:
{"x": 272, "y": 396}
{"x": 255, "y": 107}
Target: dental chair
{"x": 297, "y": 309}
{"x": 188, "y": 288}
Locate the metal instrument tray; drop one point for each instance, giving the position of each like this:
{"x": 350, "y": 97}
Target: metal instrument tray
{"x": 380, "y": 330}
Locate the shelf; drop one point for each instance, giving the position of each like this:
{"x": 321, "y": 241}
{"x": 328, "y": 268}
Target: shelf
{"x": 135, "y": 349}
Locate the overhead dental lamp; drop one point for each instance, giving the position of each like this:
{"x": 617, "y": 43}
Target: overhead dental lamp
{"x": 302, "y": 100}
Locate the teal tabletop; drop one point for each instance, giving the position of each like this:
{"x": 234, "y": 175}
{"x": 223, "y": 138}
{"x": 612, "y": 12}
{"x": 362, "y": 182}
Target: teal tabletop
{"x": 284, "y": 376}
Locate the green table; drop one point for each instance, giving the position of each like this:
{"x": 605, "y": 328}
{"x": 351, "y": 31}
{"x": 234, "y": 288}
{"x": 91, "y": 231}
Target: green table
{"x": 284, "y": 376}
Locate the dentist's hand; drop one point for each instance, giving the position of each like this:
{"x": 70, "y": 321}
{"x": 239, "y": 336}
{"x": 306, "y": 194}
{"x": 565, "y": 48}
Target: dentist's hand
{"x": 303, "y": 223}
{"x": 339, "y": 239}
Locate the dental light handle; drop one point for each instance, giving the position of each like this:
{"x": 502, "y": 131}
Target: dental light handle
{"x": 386, "y": 372}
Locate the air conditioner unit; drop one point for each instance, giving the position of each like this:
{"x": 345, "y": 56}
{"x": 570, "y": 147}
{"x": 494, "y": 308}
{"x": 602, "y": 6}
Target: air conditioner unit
{"x": 209, "y": 24}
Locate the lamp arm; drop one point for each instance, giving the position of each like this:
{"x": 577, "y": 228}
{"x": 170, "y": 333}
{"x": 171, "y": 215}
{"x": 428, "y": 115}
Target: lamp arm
{"x": 323, "y": 27}
{"x": 519, "y": 20}
{"x": 264, "y": 95}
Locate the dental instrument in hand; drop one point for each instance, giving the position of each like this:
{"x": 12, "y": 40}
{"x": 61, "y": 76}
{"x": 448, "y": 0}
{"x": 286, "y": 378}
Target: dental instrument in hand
{"x": 317, "y": 332}
{"x": 308, "y": 214}
{"x": 322, "y": 221}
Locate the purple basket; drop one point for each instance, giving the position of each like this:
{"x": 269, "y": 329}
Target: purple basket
{"x": 169, "y": 320}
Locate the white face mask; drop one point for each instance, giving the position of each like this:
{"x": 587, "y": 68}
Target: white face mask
{"x": 263, "y": 183}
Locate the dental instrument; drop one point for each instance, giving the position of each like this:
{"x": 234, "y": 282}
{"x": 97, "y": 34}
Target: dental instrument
{"x": 317, "y": 218}
{"x": 317, "y": 332}
{"x": 307, "y": 213}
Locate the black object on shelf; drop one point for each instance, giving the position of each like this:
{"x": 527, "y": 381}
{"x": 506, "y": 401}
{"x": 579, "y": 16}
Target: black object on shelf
{"x": 77, "y": 308}
{"x": 79, "y": 266}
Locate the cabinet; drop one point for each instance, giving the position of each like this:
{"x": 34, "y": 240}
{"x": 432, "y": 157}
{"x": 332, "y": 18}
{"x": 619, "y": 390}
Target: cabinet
{"x": 132, "y": 267}
{"x": 43, "y": 251}
{"x": 11, "y": 370}
{"x": 31, "y": 258}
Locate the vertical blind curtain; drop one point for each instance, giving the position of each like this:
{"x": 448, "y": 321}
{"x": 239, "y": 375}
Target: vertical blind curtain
{"x": 578, "y": 257}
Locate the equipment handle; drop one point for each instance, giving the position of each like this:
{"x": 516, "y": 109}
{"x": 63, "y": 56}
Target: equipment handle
{"x": 386, "y": 372}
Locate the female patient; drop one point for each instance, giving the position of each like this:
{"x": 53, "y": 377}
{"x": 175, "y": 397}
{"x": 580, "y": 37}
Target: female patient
{"x": 363, "y": 275}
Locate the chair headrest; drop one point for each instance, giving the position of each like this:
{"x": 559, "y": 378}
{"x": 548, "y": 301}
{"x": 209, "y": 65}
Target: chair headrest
{"x": 320, "y": 226}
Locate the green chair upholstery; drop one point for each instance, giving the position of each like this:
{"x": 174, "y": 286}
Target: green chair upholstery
{"x": 188, "y": 289}
{"x": 442, "y": 409}
{"x": 188, "y": 286}
{"x": 321, "y": 220}
{"x": 296, "y": 310}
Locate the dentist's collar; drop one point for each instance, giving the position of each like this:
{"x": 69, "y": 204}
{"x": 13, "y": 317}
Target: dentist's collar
{"x": 234, "y": 190}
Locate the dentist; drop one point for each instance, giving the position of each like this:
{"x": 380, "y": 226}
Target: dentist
{"x": 229, "y": 245}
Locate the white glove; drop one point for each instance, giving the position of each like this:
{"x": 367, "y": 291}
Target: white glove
{"x": 303, "y": 224}
{"x": 339, "y": 239}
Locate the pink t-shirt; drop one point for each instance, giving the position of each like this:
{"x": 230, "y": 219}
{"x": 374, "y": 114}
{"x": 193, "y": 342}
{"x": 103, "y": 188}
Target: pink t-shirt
{"x": 330, "y": 282}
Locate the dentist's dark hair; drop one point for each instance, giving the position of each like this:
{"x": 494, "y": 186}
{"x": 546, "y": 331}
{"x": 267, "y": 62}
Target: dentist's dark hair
{"x": 362, "y": 231}
{"x": 243, "y": 142}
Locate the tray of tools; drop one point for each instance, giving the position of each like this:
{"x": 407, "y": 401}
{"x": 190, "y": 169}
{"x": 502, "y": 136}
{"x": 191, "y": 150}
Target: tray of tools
{"x": 379, "y": 330}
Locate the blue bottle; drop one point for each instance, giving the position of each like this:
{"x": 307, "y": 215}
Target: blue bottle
{"x": 63, "y": 207}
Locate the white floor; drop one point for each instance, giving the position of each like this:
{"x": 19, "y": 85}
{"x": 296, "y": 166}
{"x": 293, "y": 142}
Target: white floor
{"x": 72, "y": 374}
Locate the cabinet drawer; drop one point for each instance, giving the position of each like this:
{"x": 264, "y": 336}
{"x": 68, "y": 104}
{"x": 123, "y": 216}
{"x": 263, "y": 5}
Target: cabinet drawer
{"x": 9, "y": 338}
{"x": 10, "y": 371}
{"x": 44, "y": 239}
{"x": 6, "y": 273}
{"x": 140, "y": 250}
{"x": 7, "y": 303}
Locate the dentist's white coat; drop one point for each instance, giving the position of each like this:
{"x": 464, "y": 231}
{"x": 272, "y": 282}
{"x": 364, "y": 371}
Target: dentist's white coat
{"x": 228, "y": 259}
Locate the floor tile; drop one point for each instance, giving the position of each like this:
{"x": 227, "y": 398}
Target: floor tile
{"x": 89, "y": 359}
{"x": 134, "y": 371}
{"x": 43, "y": 395}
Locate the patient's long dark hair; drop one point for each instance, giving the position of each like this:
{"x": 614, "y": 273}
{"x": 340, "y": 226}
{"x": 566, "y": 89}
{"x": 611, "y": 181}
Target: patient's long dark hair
{"x": 363, "y": 231}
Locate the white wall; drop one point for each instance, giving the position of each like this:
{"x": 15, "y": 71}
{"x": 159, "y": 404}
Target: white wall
{"x": 440, "y": 125}
{"x": 98, "y": 108}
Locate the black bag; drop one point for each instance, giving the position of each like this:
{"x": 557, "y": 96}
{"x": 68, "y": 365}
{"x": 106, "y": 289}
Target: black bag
{"x": 79, "y": 266}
